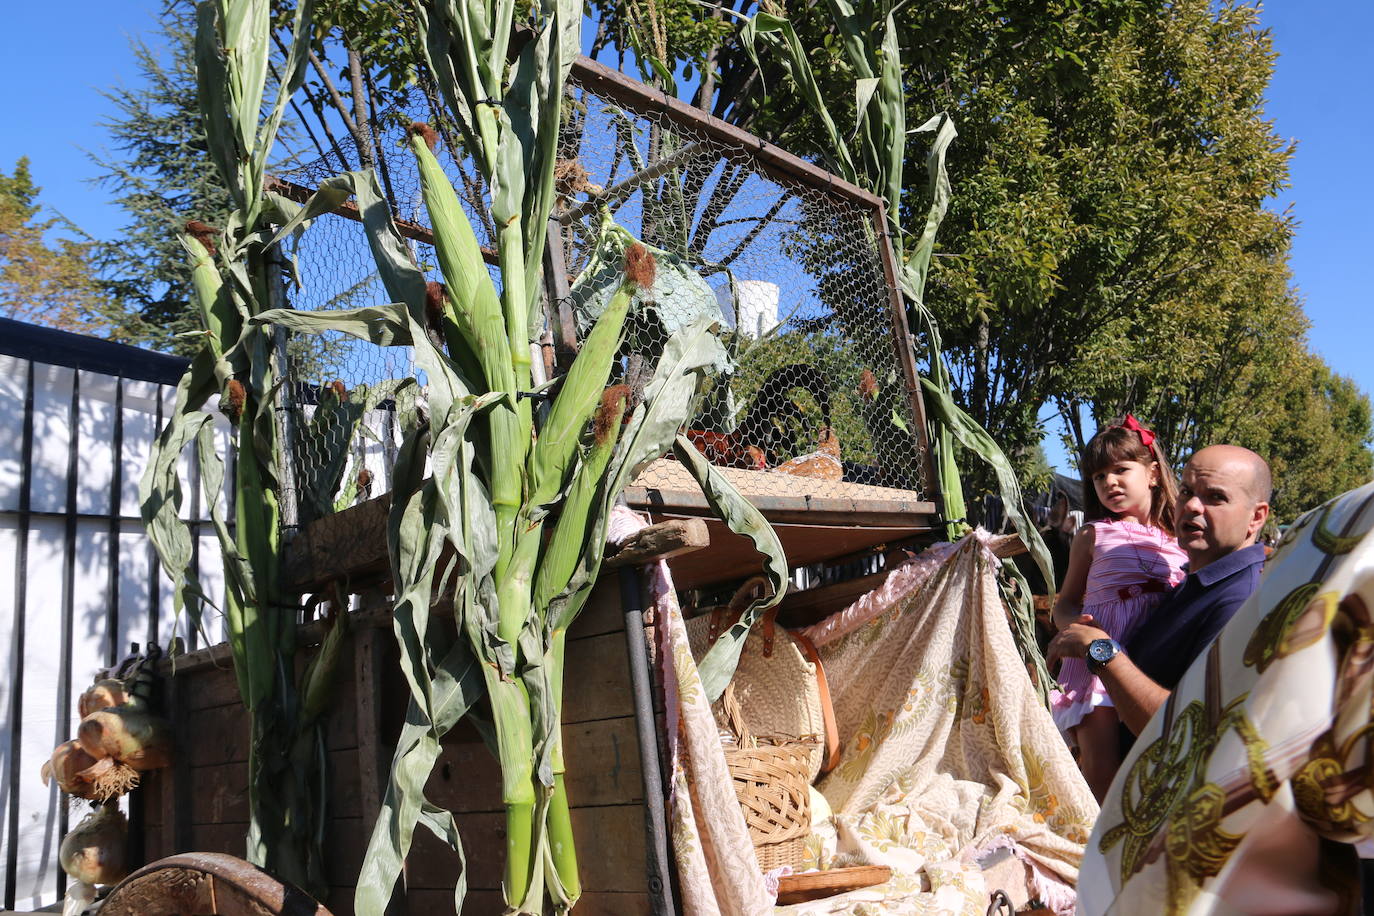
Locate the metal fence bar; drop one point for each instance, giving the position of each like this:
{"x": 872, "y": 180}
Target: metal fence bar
{"x": 904, "y": 344}
{"x": 21, "y": 563}
{"x": 64, "y": 668}
{"x": 114, "y": 529}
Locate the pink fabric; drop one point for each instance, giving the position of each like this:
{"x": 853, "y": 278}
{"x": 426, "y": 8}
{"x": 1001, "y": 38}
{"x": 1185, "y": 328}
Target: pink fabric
{"x": 1126, "y": 556}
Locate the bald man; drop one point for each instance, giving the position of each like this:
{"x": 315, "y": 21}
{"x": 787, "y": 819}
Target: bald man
{"x": 1223, "y": 502}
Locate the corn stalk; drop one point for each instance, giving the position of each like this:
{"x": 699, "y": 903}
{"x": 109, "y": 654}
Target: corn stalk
{"x": 874, "y": 157}
{"x": 233, "y": 267}
{"x": 520, "y": 503}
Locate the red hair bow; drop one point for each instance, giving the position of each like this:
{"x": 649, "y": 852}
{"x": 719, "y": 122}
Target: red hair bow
{"x": 1147, "y": 438}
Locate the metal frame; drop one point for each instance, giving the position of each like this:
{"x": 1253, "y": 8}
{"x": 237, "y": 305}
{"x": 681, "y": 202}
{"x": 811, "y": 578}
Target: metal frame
{"x": 787, "y": 169}
{"x": 37, "y": 345}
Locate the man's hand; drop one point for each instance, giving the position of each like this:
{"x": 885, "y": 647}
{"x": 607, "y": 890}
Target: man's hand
{"x": 1073, "y": 640}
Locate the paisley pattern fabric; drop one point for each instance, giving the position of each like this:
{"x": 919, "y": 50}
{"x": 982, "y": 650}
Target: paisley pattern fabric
{"x": 717, "y": 872}
{"x": 947, "y": 754}
{"x": 1245, "y": 791}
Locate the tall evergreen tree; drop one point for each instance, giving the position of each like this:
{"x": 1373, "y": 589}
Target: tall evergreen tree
{"x": 161, "y": 177}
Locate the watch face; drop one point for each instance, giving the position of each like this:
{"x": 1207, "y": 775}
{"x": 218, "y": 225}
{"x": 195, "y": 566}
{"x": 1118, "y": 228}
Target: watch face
{"x": 1101, "y": 651}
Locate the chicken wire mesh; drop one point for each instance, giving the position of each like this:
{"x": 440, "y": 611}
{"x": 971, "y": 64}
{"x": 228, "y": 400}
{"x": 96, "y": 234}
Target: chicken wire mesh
{"x": 807, "y": 388}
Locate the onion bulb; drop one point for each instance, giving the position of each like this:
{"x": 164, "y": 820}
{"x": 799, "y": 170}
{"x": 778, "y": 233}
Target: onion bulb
{"x": 94, "y": 851}
{"x": 68, "y": 766}
{"x": 103, "y": 694}
{"x": 130, "y": 736}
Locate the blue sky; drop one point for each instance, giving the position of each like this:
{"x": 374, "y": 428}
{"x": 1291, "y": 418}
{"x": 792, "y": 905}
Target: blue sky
{"x": 55, "y": 60}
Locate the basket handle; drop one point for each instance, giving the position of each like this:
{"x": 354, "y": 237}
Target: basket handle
{"x": 734, "y": 716}
{"x": 832, "y": 731}
{"x": 722, "y": 618}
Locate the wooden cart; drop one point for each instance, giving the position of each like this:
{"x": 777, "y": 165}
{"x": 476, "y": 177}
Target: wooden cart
{"x": 611, "y": 741}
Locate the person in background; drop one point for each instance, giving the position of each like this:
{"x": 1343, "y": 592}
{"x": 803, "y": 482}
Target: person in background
{"x": 1223, "y": 503}
{"x": 1121, "y": 565}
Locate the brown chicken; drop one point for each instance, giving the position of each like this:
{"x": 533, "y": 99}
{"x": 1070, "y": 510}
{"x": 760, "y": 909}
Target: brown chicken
{"x": 822, "y": 464}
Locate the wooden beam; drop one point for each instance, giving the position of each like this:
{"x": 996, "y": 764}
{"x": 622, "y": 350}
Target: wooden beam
{"x": 774, "y": 160}
{"x": 659, "y": 542}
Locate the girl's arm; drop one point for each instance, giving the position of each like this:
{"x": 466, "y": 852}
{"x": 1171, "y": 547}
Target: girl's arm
{"x": 1068, "y": 605}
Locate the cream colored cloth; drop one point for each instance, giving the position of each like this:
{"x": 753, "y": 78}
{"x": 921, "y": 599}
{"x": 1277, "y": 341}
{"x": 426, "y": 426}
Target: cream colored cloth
{"x": 1244, "y": 791}
{"x": 947, "y": 753}
{"x": 716, "y": 869}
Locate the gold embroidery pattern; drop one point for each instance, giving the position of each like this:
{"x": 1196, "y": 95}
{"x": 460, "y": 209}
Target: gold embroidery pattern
{"x": 1328, "y": 541}
{"x": 1196, "y": 844}
{"x": 1269, "y": 641}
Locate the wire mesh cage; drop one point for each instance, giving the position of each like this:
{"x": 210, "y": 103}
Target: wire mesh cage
{"x": 812, "y": 390}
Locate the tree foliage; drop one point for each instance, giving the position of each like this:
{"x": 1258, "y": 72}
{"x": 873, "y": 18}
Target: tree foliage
{"x": 45, "y": 278}
{"x": 160, "y": 176}
{"x": 1109, "y": 244}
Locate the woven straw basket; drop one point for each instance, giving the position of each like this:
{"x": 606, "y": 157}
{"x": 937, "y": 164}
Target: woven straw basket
{"x": 777, "y": 708}
{"x": 778, "y": 683}
{"x": 772, "y": 783}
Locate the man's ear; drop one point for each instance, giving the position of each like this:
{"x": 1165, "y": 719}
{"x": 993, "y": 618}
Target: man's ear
{"x": 1257, "y": 519}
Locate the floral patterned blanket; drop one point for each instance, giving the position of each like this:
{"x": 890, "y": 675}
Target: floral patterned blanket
{"x": 947, "y": 755}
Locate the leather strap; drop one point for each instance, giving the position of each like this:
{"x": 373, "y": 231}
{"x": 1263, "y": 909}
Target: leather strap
{"x": 832, "y": 731}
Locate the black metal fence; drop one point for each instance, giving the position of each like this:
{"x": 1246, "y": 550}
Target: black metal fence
{"x": 79, "y": 582}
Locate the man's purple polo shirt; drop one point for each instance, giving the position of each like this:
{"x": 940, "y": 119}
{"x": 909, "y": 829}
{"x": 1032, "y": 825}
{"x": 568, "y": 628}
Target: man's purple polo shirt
{"x": 1192, "y": 615}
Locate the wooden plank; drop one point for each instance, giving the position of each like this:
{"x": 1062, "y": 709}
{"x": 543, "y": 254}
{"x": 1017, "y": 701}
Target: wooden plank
{"x": 601, "y": 614}
{"x": 215, "y": 736}
{"x": 658, "y": 542}
{"x": 221, "y": 792}
{"x": 610, "y": 845}
{"x": 732, "y": 556}
{"x": 801, "y": 609}
{"x": 797, "y": 510}
{"x": 602, "y": 759}
{"x": 370, "y": 758}
{"x": 348, "y": 544}
{"x": 597, "y": 679}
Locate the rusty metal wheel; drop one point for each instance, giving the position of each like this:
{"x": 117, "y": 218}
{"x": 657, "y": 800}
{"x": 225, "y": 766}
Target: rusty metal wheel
{"x": 207, "y": 884}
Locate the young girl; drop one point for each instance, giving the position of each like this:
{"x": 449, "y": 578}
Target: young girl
{"x": 1121, "y": 563}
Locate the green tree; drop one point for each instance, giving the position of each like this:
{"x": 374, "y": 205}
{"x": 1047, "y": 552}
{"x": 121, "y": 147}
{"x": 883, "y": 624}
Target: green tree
{"x": 44, "y": 279}
{"x": 161, "y": 178}
{"x": 1108, "y": 245}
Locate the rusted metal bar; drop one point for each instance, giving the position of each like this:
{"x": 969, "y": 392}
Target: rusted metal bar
{"x": 906, "y": 353}
{"x": 349, "y": 210}
{"x": 773, "y": 160}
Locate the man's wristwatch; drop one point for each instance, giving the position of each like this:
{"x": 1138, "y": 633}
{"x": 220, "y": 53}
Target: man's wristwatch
{"x": 1100, "y": 653}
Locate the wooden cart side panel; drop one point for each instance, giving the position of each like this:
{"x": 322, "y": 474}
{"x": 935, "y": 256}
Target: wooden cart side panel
{"x": 604, "y": 782}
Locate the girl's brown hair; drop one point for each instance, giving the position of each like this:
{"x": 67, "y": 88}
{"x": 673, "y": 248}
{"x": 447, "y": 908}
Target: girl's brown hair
{"x": 1115, "y": 444}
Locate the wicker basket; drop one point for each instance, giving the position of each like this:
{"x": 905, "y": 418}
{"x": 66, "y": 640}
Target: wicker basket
{"x": 772, "y": 788}
{"x": 772, "y": 780}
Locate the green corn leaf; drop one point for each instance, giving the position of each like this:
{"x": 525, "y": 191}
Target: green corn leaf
{"x": 649, "y": 434}
{"x": 743, "y": 518}
{"x": 159, "y": 489}
{"x": 456, "y": 686}
{"x": 212, "y": 89}
{"x": 976, "y": 440}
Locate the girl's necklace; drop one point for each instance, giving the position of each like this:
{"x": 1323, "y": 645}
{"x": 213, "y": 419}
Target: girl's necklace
{"x": 1147, "y": 565}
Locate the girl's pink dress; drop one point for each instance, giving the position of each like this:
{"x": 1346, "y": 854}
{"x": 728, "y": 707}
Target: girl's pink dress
{"x": 1133, "y": 566}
